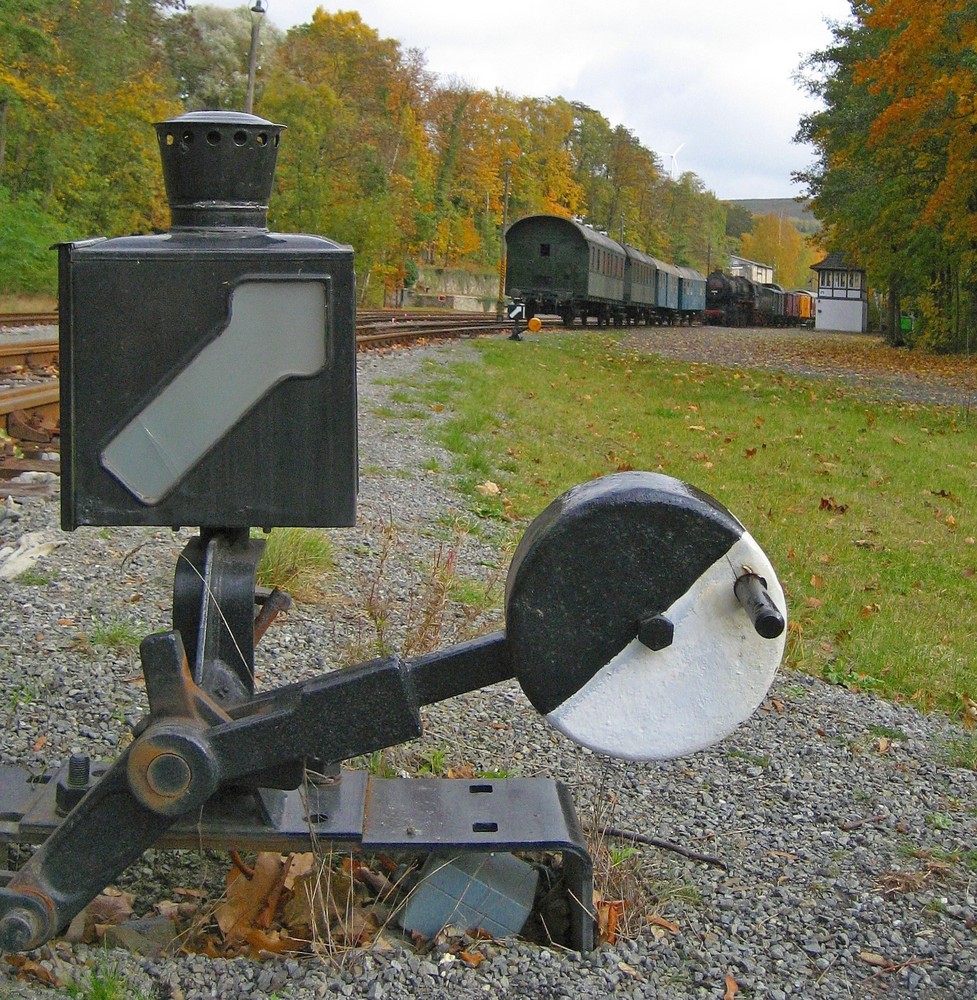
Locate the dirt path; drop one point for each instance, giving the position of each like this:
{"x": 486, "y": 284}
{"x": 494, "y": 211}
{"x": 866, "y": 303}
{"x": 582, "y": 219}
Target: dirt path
{"x": 860, "y": 360}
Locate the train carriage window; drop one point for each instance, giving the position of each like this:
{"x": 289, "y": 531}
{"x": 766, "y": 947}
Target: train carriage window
{"x": 544, "y": 249}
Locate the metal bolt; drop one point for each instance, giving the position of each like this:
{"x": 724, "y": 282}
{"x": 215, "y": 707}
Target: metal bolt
{"x": 79, "y": 770}
{"x": 168, "y": 774}
{"x": 656, "y": 632}
{"x": 19, "y": 929}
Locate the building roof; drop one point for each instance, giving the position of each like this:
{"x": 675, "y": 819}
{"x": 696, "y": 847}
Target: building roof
{"x": 835, "y": 262}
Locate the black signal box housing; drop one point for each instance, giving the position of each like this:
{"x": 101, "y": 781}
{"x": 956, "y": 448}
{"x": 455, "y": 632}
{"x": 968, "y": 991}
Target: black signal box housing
{"x": 208, "y": 374}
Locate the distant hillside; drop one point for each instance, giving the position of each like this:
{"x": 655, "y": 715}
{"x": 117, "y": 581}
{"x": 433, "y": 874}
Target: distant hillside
{"x": 788, "y": 208}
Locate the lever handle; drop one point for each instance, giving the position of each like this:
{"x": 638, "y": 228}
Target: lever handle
{"x": 751, "y": 592}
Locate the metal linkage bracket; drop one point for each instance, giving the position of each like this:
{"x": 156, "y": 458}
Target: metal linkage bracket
{"x": 384, "y": 815}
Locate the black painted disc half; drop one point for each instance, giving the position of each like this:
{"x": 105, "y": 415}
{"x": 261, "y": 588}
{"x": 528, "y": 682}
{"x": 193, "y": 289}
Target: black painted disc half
{"x": 610, "y": 555}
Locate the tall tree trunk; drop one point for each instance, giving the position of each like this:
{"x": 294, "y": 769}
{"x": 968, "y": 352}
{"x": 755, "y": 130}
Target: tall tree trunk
{"x": 893, "y": 326}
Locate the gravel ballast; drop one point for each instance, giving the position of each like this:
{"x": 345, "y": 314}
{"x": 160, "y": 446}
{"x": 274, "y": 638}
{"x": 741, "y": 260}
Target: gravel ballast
{"x": 844, "y": 829}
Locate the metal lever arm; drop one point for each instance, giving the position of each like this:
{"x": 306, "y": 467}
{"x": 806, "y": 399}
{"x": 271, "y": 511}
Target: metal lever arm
{"x": 106, "y": 832}
{"x": 190, "y": 747}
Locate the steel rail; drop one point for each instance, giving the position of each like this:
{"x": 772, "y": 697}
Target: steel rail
{"x": 381, "y": 328}
{"x": 28, "y": 319}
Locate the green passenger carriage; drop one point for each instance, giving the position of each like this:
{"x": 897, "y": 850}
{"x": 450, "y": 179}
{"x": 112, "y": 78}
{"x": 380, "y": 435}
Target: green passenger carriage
{"x": 561, "y": 267}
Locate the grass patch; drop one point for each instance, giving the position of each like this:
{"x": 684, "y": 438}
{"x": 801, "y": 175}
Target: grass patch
{"x": 104, "y": 982}
{"x": 116, "y": 634}
{"x": 295, "y": 559}
{"x": 26, "y": 302}
{"x": 868, "y": 510}
{"x": 755, "y": 760}
{"x": 963, "y": 752}
{"x": 887, "y": 733}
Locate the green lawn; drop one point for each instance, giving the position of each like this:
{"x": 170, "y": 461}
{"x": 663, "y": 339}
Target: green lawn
{"x": 867, "y": 510}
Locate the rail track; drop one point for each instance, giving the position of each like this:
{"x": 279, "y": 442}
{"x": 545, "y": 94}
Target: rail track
{"x": 9, "y": 321}
{"x": 29, "y": 388}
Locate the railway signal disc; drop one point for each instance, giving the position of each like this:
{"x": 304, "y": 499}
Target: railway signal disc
{"x": 643, "y": 620}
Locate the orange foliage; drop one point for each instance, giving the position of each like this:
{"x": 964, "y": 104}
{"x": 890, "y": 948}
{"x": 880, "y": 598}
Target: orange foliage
{"x": 925, "y": 73}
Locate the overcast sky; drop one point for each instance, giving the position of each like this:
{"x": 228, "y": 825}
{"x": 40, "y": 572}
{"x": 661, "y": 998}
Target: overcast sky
{"x": 711, "y": 79}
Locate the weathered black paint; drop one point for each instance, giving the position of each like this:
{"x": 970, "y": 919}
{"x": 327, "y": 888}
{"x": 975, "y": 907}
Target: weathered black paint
{"x": 136, "y": 310}
{"x": 601, "y": 559}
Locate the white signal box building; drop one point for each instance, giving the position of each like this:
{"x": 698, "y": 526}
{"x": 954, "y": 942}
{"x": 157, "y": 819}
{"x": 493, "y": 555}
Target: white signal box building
{"x": 842, "y": 302}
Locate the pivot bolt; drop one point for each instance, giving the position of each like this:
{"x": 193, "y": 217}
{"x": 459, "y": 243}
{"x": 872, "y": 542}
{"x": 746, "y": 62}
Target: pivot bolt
{"x": 168, "y": 775}
{"x": 18, "y": 930}
{"x": 25, "y": 919}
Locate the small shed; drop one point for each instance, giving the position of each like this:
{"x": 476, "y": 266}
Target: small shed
{"x": 762, "y": 274}
{"x": 842, "y": 302}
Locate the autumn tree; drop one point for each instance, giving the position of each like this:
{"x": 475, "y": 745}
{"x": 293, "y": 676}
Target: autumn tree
{"x": 378, "y": 153}
{"x": 354, "y": 166}
{"x": 778, "y": 242}
{"x": 695, "y": 224}
{"x": 80, "y": 85}
{"x": 542, "y": 168}
{"x": 897, "y": 156}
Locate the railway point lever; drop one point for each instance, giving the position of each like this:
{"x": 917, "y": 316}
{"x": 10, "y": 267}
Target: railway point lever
{"x": 625, "y": 596}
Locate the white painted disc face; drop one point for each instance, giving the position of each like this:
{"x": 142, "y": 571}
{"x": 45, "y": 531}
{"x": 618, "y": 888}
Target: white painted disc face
{"x": 650, "y": 704}
{"x": 600, "y": 561}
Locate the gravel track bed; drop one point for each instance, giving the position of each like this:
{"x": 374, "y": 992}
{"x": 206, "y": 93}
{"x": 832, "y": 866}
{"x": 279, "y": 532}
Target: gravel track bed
{"x": 843, "y": 827}
{"x": 852, "y": 359}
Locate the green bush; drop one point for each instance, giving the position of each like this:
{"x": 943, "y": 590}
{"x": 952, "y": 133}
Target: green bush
{"x": 28, "y": 265}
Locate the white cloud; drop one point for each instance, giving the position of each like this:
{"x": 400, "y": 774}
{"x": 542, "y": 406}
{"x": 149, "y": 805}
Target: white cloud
{"x": 713, "y": 75}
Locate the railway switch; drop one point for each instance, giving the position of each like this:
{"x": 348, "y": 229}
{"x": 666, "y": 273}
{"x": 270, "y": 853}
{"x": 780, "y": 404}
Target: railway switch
{"x": 210, "y": 382}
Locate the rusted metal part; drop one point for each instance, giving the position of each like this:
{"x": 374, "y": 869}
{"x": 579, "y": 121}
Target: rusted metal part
{"x": 34, "y": 424}
{"x": 32, "y": 397}
{"x": 272, "y": 604}
{"x": 406, "y": 332}
{"x": 13, "y": 467}
{"x": 32, "y": 354}
{"x": 381, "y": 815}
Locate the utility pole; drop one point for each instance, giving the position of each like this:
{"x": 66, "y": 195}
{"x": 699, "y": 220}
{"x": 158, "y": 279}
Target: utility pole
{"x": 499, "y": 305}
{"x": 258, "y": 11}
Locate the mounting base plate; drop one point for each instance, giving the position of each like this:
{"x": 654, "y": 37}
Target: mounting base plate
{"x": 418, "y": 815}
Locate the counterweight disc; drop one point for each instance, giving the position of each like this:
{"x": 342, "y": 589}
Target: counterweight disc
{"x": 623, "y": 624}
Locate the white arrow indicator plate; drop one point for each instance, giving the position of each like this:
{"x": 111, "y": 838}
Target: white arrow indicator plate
{"x": 276, "y": 330}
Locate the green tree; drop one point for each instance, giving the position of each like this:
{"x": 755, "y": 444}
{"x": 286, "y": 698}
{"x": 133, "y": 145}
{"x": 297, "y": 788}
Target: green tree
{"x": 207, "y": 51}
{"x": 739, "y": 220}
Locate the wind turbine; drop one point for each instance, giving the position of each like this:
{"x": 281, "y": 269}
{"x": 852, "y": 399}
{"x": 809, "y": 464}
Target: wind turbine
{"x": 671, "y": 172}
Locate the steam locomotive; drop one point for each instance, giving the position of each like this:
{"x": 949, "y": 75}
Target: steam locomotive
{"x": 735, "y": 300}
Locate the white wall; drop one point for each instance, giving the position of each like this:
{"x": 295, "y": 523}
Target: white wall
{"x": 848, "y": 315}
